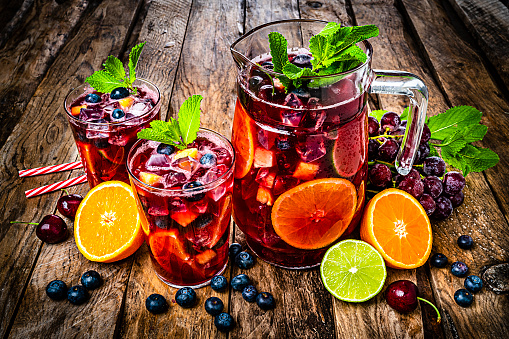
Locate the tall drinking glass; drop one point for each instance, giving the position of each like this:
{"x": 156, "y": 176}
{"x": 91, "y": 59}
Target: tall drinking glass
{"x": 105, "y": 129}
{"x": 284, "y": 140}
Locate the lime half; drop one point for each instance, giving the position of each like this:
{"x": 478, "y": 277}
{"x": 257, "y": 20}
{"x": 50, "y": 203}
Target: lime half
{"x": 353, "y": 271}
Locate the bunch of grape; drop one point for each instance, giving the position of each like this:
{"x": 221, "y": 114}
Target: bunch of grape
{"x": 437, "y": 191}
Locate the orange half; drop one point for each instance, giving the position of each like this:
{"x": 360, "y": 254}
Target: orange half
{"x": 243, "y": 141}
{"x": 314, "y": 214}
{"x": 107, "y": 225}
{"x": 396, "y": 224}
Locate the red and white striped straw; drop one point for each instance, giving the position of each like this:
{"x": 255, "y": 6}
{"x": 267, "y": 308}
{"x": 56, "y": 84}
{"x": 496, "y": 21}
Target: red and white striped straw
{"x": 56, "y": 186}
{"x": 50, "y": 169}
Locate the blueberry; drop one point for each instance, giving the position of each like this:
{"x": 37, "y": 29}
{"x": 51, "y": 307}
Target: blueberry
{"x": 459, "y": 269}
{"x": 56, "y": 290}
{"x": 117, "y": 114}
{"x": 268, "y": 65}
{"x": 302, "y": 61}
{"x": 249, "y": 293}
{"x": 119, "y": 93}
{"x": 214, "y": 306}
{"x": 219, "y": 283}
{"x": 465, "y": 242}
{"x": 165, "y": 149}
{"x": 283, "y": 144}
{"x": 244, "y": 260}
{"x": 208, "y": 160}
{"x": 186, "y": 297}
{"x": 265, "y": 301}
{"x": 92, "y": 98}
{"x": 77, "y": 295}
{"x": 191, "y": 185}
{"x": 438, "y": 260}
{"x": 473, "y": 283}
{"x": 91, "y": 280}
{"x": 239, "y": 282}
{"x": 224, "y": 322}
{"x": 156, "y": 304}
{"x": 463, "y": 297}
{"x": 235, "y": 249}
{"x": 203, "y": 220}
{"x": 161, "y": 222}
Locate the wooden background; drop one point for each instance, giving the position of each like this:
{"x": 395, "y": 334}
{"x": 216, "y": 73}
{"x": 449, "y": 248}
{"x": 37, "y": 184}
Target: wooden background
{"x": 459, "y": 47}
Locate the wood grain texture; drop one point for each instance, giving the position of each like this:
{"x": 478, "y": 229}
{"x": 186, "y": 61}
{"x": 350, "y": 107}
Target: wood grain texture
{"x": 25, "y": 61}
{"x": 50, "y": 141}
{"x": 488, "y": 22}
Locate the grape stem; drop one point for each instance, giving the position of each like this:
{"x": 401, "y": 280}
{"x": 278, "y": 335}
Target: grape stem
{"x": 385, "y": 136}
{"x": 439, "y": 318}
{"x": 381, "y": 162}
{"x": 24, "y": 222}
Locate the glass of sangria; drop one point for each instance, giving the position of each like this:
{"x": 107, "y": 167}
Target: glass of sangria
{"x": 296, "y": 145}
{"x": 105, "y": 125}
{"x": 184, "y": 199}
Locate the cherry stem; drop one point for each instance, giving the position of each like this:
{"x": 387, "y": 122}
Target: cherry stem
{"x": 65, "y": 191}
{"x": 24, "y": 222}
{"x": 439, "y": 319}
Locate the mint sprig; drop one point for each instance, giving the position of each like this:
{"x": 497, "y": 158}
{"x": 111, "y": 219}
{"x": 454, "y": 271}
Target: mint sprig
{"x": 333, "y": 51}
{"x": 177, "y": 132}
{"x": 114, "y": 75}
{"x": 454, "y": 131}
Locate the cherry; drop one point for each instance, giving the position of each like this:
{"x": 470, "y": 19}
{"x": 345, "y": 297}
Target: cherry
{"x": 51, "y": 229}
{"x": 68, "y": 204}
{"x": 402, "y": 296}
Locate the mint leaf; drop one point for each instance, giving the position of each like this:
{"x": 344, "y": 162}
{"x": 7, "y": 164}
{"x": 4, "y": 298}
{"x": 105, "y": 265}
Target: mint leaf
{"x": 278, "y": 50}
{"x": 444, "y": 124}
{"x": 378, "y": 113}
{"x": 330, "y": 28}
{"x": 103, "y": 81}
{"x": 134, "y": 56}
{"x": 433, "y": 151}
{"x": 115, "y": 68}
{"x": 295, "y": 72}
{"x": 318, "y": 46}
{"x": 460, "y": 138}
{"x": 470, "y": 158}
{"x": 189, "y": 118}
{"x": 404, "y": 115}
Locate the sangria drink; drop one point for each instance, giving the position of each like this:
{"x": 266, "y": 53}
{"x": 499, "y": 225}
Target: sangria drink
{"x": 184, "y": 198}
{"x": 294, "y": 141}
{"x": 105, "y": 125}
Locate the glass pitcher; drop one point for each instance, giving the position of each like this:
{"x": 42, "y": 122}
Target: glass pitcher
{"x": 286, "y": 143}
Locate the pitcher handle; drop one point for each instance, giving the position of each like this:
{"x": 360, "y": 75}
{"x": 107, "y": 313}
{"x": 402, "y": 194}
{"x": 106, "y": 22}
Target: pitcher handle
{"x": 404, "y": 83}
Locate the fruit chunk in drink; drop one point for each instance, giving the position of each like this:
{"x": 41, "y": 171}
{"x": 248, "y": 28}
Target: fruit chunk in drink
{"x": 105, "y": 129}
{"x": 184, "y": 197}
{"x": 285, "y": 139}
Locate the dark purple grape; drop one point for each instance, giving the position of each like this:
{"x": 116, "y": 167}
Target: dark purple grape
{"x": 380, "y": 175}
{"x": 388, "y": 150}
{"x": 398, "y": 131}
{"x": 390, "y": 120}
{"x": 373, "y": 147}
{"x": 403, "y": 123}
{"x": 413, "y": 186}
{"x": 373, "y": 126}
{"x": 426, "y": 134}
{"x": 434, "y": 166}
{"x": 433, "y": 186}
{"x": 456, "y": 199}
{"x": 453, "y": 182}
{"x": 422, "y": 153}
{"x": 52, "y": 229}
{"x": 443, "y": 208}
{"x": 412, "y": 174}
{"x": 428, "y": 204}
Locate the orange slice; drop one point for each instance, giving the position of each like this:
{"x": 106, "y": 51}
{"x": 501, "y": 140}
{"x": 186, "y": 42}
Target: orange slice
{"x": 396, "y": 224}
{"x": 107, "y": 225}
{"x": 314, "y": 214}
{"x": 243, "y": 141}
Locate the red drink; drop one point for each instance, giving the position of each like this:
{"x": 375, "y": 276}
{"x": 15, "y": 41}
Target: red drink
{"x": 184, "y": 198}
{"x": 105, "y": 129}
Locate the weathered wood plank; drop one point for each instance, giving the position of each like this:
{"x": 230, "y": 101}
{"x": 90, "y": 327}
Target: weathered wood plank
{"x": 29, "y": 52}
{"x": 464, "y": 81}
{"x": 488, "y": 22}
{"x": 50, "y": 141}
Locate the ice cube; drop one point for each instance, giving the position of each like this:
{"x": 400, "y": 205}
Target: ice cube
{"x": 214, "y": 173}
{"x": 218, "y": 192}
{"x": 293, "y": 101}
{"x": 118, "y": 139}
{"x": 92, "y": 113}
{"x": 313, "y": 148}
{"x": 157, "y": 162}
{"x": 223, "y": 156}
{"x": 174, "y": 179}
{"x": 266, "y": 138}
{"x": 200, "y": 206}
{"x": 139, "y": 108}
{"x": 313, "y": 119}
{"x": 177, "y": 205}
{"x": 291, "y": 118}
{"x": 158, "y": 211}
{"x": 98, "y": 131}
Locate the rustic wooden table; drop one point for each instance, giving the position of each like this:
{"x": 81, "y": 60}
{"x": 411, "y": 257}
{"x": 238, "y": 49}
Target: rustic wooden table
{"x": 459, "y": 48}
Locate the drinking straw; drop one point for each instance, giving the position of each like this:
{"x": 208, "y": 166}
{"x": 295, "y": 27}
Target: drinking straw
{"x": 50, "y": 169}
{"x": 56, "y": 186}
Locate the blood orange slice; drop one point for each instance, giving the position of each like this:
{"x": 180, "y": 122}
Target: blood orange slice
{"x": 243, "y": 141}
{"x": 314, "y": 214}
